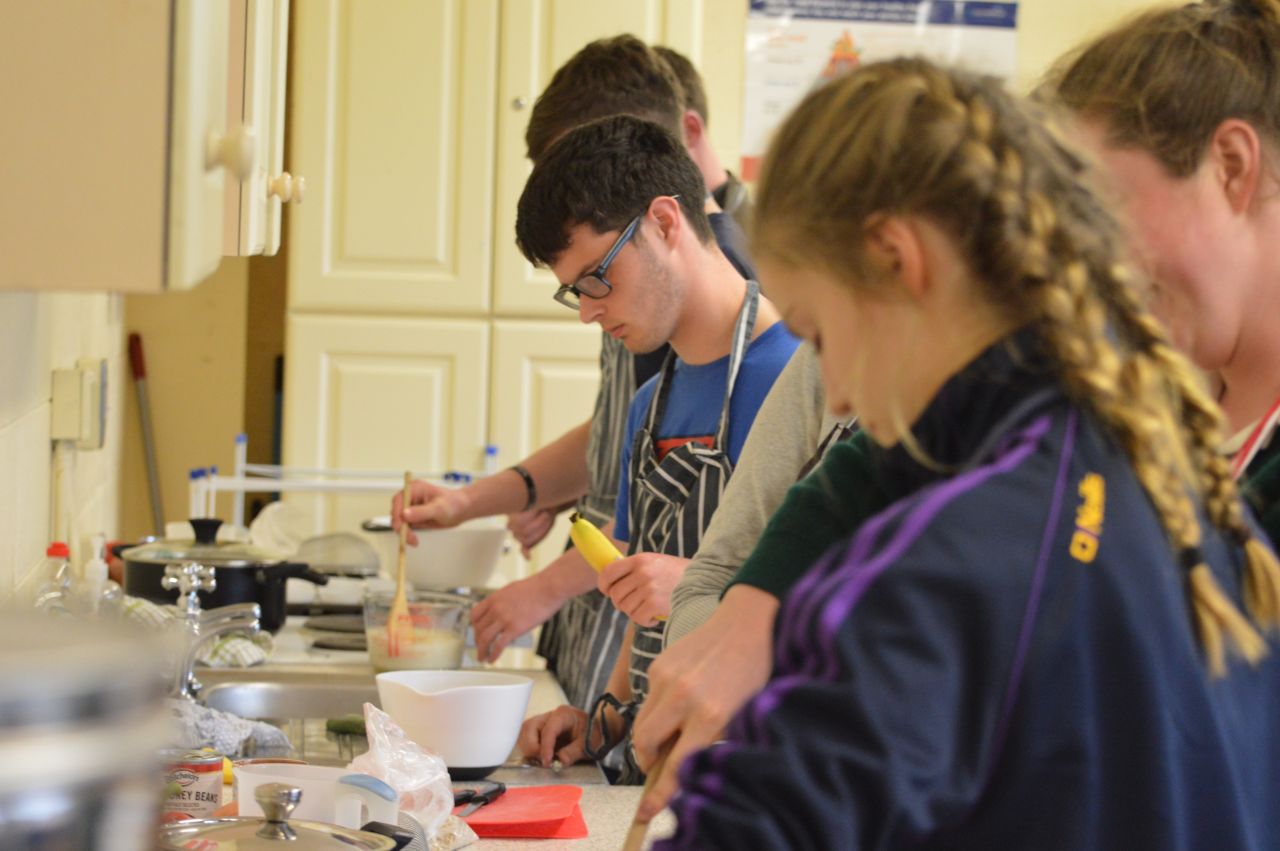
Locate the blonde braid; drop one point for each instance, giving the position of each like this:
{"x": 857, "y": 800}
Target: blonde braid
{"x": 1203, "y": 425}
{"x": 1075, "y": 320}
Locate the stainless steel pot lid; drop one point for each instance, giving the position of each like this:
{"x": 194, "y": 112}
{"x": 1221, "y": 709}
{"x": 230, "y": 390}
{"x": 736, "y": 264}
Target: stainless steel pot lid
{"x": 271, "y": 833}
{"x": 205, "y": 549}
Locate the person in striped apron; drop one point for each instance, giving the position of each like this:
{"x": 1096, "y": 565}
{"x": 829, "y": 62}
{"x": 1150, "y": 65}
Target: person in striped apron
{"x": 675, "y": 489}
{"x": 606, "y": 210}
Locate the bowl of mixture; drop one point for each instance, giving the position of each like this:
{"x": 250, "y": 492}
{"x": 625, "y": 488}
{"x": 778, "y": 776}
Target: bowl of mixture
{"x": 440, "y": 623}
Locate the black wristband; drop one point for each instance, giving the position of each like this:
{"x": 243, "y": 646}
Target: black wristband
{"x": 530, "y": 488}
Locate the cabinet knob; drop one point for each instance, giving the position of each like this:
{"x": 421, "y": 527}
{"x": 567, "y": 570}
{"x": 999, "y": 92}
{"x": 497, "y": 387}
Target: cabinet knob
{"x": 287, "y": 188}
{"x": 519, "y": 103}
{"x": 234, "y": 152}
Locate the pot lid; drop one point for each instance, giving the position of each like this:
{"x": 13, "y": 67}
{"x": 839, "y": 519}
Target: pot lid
{"x": 271, "y": 833}
{"x": 205, "y": 549}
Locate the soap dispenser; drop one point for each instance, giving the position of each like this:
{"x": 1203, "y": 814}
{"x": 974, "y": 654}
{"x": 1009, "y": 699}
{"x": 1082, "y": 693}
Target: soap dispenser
{"x": 95, "y": 595}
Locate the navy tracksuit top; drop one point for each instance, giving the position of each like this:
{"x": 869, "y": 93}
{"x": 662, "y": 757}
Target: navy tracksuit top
{"x": 1003, "y": 658}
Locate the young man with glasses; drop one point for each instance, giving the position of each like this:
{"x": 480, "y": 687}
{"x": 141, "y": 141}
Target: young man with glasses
{"x": 620, "y": 75}
{"x": 615, "y": 210}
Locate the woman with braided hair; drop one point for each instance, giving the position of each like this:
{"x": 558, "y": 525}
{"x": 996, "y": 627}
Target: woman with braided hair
{"x": 1182, "y": 105}
{"x": 1056, "y": 635}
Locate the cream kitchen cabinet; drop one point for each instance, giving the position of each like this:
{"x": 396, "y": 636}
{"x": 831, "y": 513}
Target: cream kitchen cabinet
{"x": 393, "y": 127}
{"x": 258, "y": 51}
{"x": 544, "y": 381}
{"x": 115, "y": 143}
{"x": 383, "y": 394}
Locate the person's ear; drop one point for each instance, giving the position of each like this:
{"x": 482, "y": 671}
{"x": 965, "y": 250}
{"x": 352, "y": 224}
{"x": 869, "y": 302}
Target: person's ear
{"x": 694, "y": 129}
{"x": 665, "y": 211}
{"x": 1236, "y": 155}
{"x": 895, "y": 249}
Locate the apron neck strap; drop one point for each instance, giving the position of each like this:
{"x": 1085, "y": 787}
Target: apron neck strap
{"x": 742, "y": 329}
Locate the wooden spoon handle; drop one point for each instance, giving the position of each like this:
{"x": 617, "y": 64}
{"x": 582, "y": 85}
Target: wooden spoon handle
{"x": 635, "y": 836}
{"x": 399, "y": 627}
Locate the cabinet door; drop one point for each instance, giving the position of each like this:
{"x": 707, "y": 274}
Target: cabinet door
{"x": 204, "y": 150}
{"x": 259, "y": 47}
{"x": 382, "y": 394}
{"x": 544, "y": 381}
{"x": 393, "y": 127}
{"x": 114, "y": 143}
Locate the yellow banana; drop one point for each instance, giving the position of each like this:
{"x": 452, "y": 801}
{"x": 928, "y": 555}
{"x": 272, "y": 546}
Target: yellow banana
{"x": 598, "y": 550}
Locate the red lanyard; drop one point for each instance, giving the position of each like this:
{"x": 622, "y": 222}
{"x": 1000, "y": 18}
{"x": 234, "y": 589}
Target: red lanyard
{"x": 1258, "y": 438}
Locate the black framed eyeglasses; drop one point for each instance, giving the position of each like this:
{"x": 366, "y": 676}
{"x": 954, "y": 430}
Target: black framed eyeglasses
{"x": 594, "y": 284}
{"x": 596, "y": 720}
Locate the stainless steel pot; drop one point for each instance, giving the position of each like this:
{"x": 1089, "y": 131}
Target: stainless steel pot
{"x": 242, "y": 573}
{"x": 82, "y": 720}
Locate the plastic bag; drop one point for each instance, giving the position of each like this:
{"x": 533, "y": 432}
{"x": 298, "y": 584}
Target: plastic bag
{"x": 419, "y": 776}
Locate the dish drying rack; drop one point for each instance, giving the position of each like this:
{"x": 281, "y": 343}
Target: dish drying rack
{"x": 205, "y": 483}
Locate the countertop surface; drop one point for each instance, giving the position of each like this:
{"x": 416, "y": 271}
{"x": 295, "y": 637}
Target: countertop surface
{"x": 606, "y": 809}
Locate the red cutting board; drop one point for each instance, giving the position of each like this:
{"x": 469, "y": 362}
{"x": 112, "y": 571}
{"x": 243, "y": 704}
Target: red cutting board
{"x": 532, "y": 812}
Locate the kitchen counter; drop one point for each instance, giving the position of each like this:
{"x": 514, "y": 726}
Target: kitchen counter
{"x": 606, "y": 809}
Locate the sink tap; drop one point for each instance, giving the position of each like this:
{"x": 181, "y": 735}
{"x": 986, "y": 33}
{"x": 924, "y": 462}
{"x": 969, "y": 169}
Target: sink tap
{"x": 200, "y": 627}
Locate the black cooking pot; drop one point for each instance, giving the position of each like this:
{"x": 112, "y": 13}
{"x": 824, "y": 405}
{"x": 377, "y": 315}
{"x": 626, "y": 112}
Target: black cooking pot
{"x": 242, "y": 573}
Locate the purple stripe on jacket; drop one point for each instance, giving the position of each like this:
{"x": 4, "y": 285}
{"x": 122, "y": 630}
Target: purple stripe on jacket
{"x": 838, "y": 594}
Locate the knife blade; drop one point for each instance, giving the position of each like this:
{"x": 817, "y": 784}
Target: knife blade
{"x": 482, "y": 797}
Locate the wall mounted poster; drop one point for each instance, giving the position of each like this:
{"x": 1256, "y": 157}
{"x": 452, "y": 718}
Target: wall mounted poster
{"x": 795, "y": 45}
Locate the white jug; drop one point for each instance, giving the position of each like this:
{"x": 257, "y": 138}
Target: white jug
{"x": 329, "y": 794}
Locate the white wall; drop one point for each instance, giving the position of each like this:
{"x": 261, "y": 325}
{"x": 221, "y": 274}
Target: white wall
{"x": 39, "y": 333}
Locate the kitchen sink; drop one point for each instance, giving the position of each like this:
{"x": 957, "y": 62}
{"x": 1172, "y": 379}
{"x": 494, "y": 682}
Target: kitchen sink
{"x": 278, "y": 700}
{"x": 298, "y": 701}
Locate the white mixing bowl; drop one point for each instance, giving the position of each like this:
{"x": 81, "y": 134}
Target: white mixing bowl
{"x": 470, "y": 718}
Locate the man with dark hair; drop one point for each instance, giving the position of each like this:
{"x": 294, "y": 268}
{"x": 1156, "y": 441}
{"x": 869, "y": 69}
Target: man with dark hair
{"x": 727, "y": 190}
{"x": 612, "y": 76}
{"x": 614, "y": 209}
{"x": 582, "y": 632}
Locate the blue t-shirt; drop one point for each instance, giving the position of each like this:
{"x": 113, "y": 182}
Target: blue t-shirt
{"x": 694, "y": 402}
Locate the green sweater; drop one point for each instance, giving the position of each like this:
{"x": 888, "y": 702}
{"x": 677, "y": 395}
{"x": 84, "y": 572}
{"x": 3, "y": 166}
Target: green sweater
{"x": 844, "y": 491}
{"x": 1262, "y": 489}
{"x": 820, "y": 510}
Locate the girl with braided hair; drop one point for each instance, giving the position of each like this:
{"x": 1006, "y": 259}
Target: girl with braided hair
{"x": 1182, "y": 106}
{"x": 1057, "y": 635}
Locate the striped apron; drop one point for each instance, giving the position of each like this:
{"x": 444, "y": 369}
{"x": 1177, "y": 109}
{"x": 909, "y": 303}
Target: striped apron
{"x": 674, "y": 497}
{"x": 582, "y": 640}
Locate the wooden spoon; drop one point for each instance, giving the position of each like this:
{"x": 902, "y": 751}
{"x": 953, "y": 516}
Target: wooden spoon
{"x": 635, "y": 836}
{"x": 399, "y": 622}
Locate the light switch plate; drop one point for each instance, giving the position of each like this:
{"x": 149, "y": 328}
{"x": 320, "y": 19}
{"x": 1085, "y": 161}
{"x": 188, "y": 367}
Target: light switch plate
{"x": 80, "y": 404}
{"x": 65, "y": 422}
